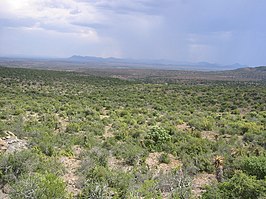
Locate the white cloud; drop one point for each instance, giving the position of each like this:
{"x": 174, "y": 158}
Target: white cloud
{"x": 42, "y": 42}
{"x": 110, "y": 22}
{"x": 51, "y": 20}
{"x": 49, "y": 13}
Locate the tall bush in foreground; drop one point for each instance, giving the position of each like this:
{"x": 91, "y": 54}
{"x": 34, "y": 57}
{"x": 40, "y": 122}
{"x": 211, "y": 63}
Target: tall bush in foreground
{"x": 239, "y": 186}
{"x": 255, "y": 166}
{"x": 41, "y": 186}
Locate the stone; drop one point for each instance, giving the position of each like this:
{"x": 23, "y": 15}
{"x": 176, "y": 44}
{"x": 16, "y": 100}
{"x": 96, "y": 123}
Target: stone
{"x": 6, "y": 189}
{"x": 3, "y": 145}
{"x": 3, "y": 195}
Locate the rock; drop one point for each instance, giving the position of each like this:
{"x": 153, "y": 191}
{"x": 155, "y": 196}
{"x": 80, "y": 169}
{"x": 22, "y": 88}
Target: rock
{"x": 9, "y": 133}
{"x": 3, "y": 148}
{"x": 11, "y": 143}
{"x": 3, "y": 195}
{"x": 6, "y": 189}
{"x": 2, "y": 142}
{"x": 3, "y": 145}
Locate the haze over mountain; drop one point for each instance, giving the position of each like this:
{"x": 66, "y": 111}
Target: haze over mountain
{"x": 156, "y": 63}
{"x": 77, "y": 61}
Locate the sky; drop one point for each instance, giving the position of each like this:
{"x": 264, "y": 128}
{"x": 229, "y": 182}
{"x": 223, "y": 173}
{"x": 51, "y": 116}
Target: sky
{"x": 216, "y": 31}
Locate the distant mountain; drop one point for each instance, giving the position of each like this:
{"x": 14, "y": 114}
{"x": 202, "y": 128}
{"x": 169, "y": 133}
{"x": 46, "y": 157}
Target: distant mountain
{"x": 77, "y": 61}
{"x": 158, "y": 64}
{"x": 90, "y": 58}
{"x": 252, "y": 69}
{"x": 261, "y": 68}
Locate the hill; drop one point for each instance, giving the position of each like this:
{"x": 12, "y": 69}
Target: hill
{"x": 254, "y": 69}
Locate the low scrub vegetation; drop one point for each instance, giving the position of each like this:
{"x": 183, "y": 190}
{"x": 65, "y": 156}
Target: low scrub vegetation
{"x": 102, "y": 137}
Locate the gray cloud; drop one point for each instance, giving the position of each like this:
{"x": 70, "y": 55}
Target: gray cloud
{"x": 17, "y": 22}
{"x": 221, "y": 31}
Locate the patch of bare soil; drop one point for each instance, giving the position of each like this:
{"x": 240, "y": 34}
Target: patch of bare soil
{"x": 104, "y": 114}
{"x": 107, "y": 132}
{"x": 31, "y": 116}
{"x": 200, "y": 181}
{"x": 116, "y": 164}
{"x": 70, "y": 177}
{"x": 107, "y": 129}
{"x": 154, "y": 164}
{"x": 210, "y": 135}
{"x": 3, "y": 195}
{"x": 62, "y": 124}
{"x": 183, "y": 127}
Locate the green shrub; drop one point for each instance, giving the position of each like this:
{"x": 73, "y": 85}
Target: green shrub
{"x": 16, "y": 164}
{"x": 149, "y": 190}
{"x": 120, "y": 181}
{"x": 195, "y": 153}
{"x": 255, "y": 166}
{"x": 2, "y": 128}
{"x": 72, "y": 128}
{"x": 50, "y": 165}
{"x": 156, "y": 138}
{"x": 259, "y": 138}
{"x": 130, "y": 152}
{"x": 202, "y": 123}
{"x": 41, "y": 186}
{"x": 48, "y": 143}
{"x": 94, "y": 160}
{"x": 99, "y": 155}
{"x": 177, "y": 181}
{"x": 12, "y": 166}
{"x": 239, "y": 186}
{"x": 164, "y": 158}
{"x": 95, "y": 190}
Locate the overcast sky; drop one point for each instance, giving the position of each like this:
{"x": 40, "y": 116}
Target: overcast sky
{"x": 217, "y": 31}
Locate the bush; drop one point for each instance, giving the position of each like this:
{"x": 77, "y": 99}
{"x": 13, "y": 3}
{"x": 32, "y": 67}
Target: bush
{"x": 239, "y": 186}
{"x": 120, "y": 182}
{"x": 156, "y": 138}
{"x": 41, "y": 186}
{"x": 164, "y": 158}
{"x": 14, "y": 165}
{"x": 177, "y": 181}
{"x": 45, "y": 143}
{"x": 130, "y": 152}
{"x": 149, "y": 189}
{"x": 202, "y": 123}
{"x": 96, "y": 190}
{"x": 99, "y": 155}
{"x": 2, "y": 128}
{"x": 72, "y": 128}
{"x": 259, "y": 138}
{"x": 195, "y": 153}
{"x": 255, "y": 166}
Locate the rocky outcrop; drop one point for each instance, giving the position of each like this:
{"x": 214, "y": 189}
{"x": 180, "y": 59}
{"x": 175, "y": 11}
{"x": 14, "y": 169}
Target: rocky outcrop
{"x": 10, "y": 143}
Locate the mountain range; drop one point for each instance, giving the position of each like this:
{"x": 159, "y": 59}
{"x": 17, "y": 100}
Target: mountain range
{"x": 156, "y": 63}
{"x": 77, "y": 61}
